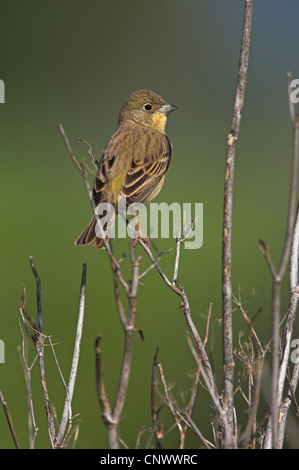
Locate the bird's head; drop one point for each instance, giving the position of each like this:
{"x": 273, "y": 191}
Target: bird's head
{"x": 146, "y": 108}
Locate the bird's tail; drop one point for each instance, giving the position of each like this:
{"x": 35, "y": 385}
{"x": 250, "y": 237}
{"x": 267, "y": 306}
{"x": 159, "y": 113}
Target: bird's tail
{"x": 92, "y": 233}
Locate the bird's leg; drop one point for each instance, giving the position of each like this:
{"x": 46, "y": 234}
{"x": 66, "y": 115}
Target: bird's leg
{"x": 141, "y": 235}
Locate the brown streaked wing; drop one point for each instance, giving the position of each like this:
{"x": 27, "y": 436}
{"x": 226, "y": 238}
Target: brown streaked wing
{"x": 144, "y": 175}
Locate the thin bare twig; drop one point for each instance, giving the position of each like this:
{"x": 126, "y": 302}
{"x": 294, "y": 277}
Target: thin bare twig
{"x": 191, "y": 424}
{"x": 38, "y": 339}
{"x": 208, "y": 324}
{"x": 190, "y": 406}
{"x": 157, "y": 424}
{"x": 38, "y": 296}
{"x": 228, "y": 359}
{"x": 90, "y": 152}
{"x": 67, "y": 414}
{"x": 9, "y": 421}
{"x": 256, "y": 367}
{"x": 101, "y": 393}
{"x": 171, "y": 406}
{"x": 32, "y": 427}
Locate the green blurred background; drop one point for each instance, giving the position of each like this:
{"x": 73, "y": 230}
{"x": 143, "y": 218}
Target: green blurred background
{"x": 76, "y": 63}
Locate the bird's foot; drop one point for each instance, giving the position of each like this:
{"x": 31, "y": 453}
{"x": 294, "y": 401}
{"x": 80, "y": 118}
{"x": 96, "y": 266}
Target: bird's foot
{"x": 143, "y": 237}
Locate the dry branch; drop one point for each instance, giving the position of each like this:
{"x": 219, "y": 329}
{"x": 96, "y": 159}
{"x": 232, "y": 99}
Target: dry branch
{"x": 294, "y": 296}
{"x": 9, "y": 421}
{"x": 279, "y": 365}
{"x": 35, "y": 334}
{"x": 228, "y": 359}
{"x": 157, "y": 424}
{"x": 67, "y": 410}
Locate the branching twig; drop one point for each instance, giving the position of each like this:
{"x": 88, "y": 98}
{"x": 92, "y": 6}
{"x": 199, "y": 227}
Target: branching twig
{"x": 256, "y": 366}
{"x": 279, "y": 365}
{"x": 191, "y": 424}
{"x": 111, "y": 416}
{"x": 38, "y": 338}
{"x": 171, "y": 406}
{"x": 27, "y": 376}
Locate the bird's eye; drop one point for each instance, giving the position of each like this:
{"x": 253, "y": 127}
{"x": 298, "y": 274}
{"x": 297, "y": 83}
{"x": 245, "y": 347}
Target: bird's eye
{"x": 147, "y": 107}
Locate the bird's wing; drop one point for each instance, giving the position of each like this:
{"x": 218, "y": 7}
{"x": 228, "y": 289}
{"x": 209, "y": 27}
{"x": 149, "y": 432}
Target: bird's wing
{"x": 145, "y": 173}
{"x": 135, "y": 163}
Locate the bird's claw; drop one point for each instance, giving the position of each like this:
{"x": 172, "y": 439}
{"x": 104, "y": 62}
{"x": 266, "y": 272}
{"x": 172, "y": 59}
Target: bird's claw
{"x": 143, "y": 237}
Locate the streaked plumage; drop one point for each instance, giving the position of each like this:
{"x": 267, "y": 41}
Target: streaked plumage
{"x": 136, "y": 158}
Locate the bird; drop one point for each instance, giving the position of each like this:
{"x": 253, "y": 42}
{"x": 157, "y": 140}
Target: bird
{"x": 134, "y": 162}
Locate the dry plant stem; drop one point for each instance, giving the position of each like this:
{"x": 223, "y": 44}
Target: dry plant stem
{"x": 227, "y": 332}
{"x": 294, "y": 296}
{"x": 67, "y": 414}
{"x": 293, "y": 276}
{"x": 9, "y": 421}
{"x": 157, "y": 425}
{"x": 111, "y": 427}
{"x": 38, "y": 339}
{"x": 189, "y": 409}
{"x": 279, "y": 366}
{"x": 76, "y": 433}
{"x": 27, "y": 376}
{"x": 285, "y": 406}
{"x": 205, "y": 366}
{"x": 257, "y": 367}
{"x": 190, "y": 423}
{"x": 38, "y": 296}
{"x": 292, "y": 383}
{"x": 111, "y": 417}
{"x": 171, "y": 406}
{"x": 179, "y": 290}
{"x": 220, "y": 419}
{"x": 208, "y": 324}
{"x": 129, "y": 331}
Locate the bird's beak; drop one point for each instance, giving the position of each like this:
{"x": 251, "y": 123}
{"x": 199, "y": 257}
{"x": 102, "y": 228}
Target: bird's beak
{"x": 167, "y": 108}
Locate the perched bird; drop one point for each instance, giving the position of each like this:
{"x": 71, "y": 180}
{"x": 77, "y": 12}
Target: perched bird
{"x": 135, "y": 160}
